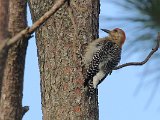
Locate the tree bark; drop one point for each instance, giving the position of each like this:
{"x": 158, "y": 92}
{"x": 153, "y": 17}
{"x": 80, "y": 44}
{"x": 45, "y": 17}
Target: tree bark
{"x": 60, "y": 41}
{"x": 3, "y": 36}
{"x": 12, "y": 86}
{"x": 3, "y": 19}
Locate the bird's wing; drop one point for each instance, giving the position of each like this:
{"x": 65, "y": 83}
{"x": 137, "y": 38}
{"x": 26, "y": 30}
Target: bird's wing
{"x": 97, "y": 58}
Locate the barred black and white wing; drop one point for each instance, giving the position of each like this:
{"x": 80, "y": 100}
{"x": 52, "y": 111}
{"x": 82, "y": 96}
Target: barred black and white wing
{"x": 103, "y": 62}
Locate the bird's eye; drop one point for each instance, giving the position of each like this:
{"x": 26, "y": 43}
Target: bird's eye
{"x": 115, "y": 30}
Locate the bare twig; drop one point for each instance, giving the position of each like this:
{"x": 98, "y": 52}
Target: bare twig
{"x": 145, "y": 60}
{"x": 28, "y": 31}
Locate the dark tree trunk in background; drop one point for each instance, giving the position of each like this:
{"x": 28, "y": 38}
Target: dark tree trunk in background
{"x": 59, "y": 43}
{"x": 3, "y": 36}
{"x": 12, "y": 85}
{"x": 4, "y": 4}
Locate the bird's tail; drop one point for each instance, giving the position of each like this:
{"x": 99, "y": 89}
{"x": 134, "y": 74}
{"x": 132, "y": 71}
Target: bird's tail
{"x": 90, "y": 89}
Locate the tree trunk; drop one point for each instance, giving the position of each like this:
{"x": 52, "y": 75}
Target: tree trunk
{"x": 12, "y": 85}
{"x": 3, "y": 36}
{"x": 59, "y": 43}
{"x": 3, "y": 19}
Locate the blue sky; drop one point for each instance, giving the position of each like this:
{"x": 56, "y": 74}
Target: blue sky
{"x": 125, "y": 95}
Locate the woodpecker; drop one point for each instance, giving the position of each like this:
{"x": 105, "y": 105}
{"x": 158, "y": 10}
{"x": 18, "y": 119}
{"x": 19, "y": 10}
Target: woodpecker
{"x": 102, "y": 55}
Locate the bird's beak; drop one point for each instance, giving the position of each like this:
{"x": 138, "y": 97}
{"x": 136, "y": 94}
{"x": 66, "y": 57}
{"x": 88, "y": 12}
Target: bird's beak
{"x": 105, "y": 30}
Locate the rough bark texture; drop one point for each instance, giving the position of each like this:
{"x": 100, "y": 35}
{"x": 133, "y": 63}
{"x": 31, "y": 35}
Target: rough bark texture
{"x": 59, "y": 43}
{"x": 3, "y": 35}
{"x": 3, "y": 19}
{"x": 12, "y": 85}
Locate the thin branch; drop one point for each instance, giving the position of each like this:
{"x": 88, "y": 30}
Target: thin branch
{"x": 145, "y": 60}
{"x": 29, "y": 30}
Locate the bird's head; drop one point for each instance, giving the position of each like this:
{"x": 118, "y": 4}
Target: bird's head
{"x": 117, "y": 35}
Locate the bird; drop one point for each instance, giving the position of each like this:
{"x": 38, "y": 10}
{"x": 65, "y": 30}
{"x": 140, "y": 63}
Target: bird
{"x": 101, "y": 57}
